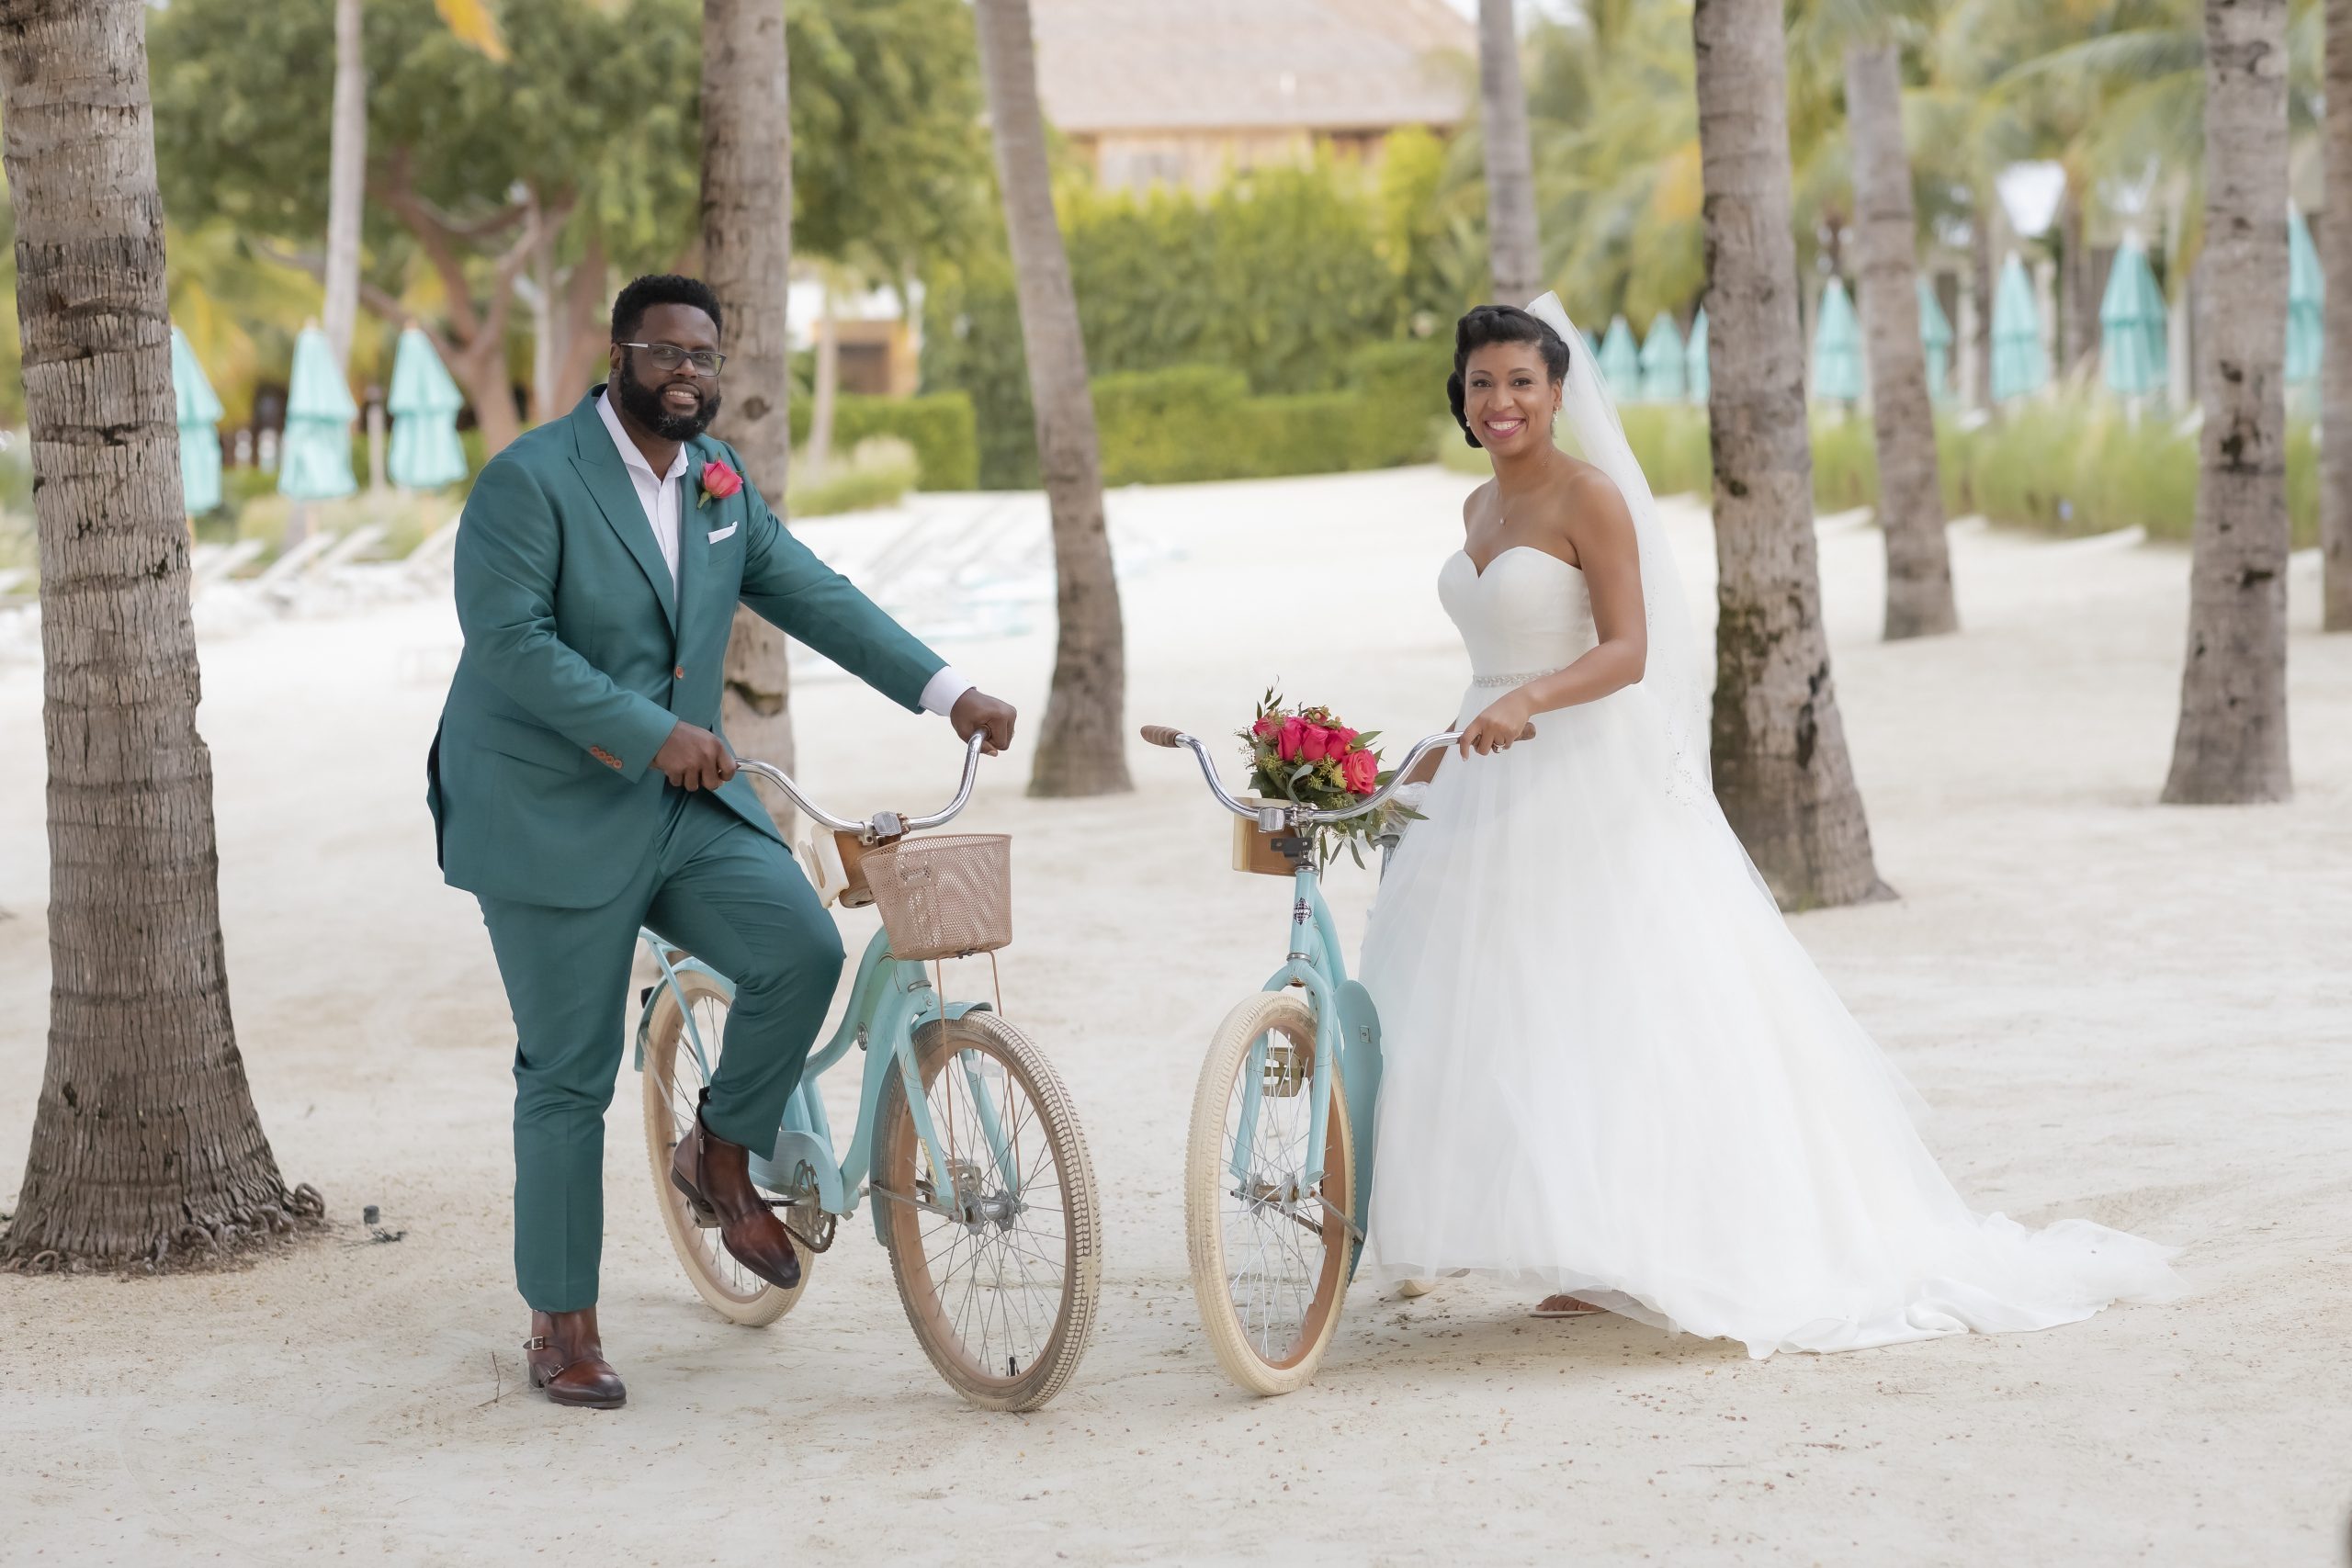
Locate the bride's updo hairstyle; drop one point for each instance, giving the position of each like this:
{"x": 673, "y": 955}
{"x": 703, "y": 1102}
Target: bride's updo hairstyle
{"x": 1487, "y": 324}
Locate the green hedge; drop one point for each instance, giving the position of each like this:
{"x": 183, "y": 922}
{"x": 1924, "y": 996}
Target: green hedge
{"x": 1200, "y": 421}
{"x": 940, "y": 427}
{"x": 2055, "y": 468}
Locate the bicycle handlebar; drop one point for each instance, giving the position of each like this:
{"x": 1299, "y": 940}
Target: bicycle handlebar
{"x": 1286, "y": 815}
{"x": 882, "y": 824}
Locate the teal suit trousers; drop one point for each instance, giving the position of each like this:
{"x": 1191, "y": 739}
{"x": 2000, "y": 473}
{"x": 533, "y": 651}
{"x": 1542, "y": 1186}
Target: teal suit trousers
{"x": 715, "y": 886}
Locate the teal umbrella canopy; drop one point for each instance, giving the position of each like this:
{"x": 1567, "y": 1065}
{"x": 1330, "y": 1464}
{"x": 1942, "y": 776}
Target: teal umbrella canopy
{"x": 2132, "y": 326}
{"x": 1837, "y": 346}
{"x": 2306, "y": 292}
{"x": 1935, "y": 337}
{"x": 2019, "y": 366}
{"x": 196, "y": 411}
{"x": 1620, "y": 361}
{"x": 315, "y": 462}
{"x": 1695, "y": 358}
{"x": 423, "y": 402}
{"x": 1662, "y": 365}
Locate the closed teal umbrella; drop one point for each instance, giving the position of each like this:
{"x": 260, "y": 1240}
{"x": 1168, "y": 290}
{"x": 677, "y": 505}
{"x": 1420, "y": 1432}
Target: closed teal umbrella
{"x": 2132, "y": 326}
{"x": 315, "y": 462}
{"x": 1935, "y": 337}
{"x": 2019, "y": 366}
{"x": 423, "y": 402}
{"x": 1620, "y": 362}
{"x": 2306, "y": 292}
{"x": 1662, "y": 362}
{"x": 1695, "y": 358}
{"x": 1837, "y": 346}
{"x": 196, "y": 411}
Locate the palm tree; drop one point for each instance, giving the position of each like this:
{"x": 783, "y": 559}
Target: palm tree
{"x": 2336, "y": 250}
{"x": 1780, "y": 767}
{"x": 1515, "y": 249}
{"x": 1616, "y": 139}
{"x": 145, "y": 1141}
{"x": 747, "y": 259}
{"x": 347, "y": 181}
{"x": 1911, "y": 505}
{"x": 2231, "y": 744}
{"x": 1080, "y": 749}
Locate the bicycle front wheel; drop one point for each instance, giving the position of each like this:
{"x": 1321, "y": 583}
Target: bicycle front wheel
{"x": 997, "y": 1257}
{"x": 1269, "y": 1249}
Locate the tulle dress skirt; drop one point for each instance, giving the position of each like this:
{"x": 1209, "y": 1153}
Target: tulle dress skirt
{"x": 1612, "y": 1070}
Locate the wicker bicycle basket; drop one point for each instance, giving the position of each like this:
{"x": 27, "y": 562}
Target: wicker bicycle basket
{"x": 944, "y": 896}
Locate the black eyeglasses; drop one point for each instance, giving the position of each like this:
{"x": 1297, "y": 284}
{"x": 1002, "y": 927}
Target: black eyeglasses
{"x": 667, "y": 357}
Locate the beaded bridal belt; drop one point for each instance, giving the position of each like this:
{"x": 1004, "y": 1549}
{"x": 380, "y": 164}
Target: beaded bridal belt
{"x": 1519, "y": 679}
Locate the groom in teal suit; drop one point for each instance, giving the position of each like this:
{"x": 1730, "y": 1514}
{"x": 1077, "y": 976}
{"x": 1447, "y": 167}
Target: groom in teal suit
{"x": 581, "y": 787}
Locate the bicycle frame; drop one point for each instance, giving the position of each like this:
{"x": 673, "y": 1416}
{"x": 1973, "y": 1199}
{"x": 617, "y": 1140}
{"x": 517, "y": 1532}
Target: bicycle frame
{"x": 1347, "y": 1037}
{"x": 889, "y": 1000}
{"x": 1347, "y": 1024}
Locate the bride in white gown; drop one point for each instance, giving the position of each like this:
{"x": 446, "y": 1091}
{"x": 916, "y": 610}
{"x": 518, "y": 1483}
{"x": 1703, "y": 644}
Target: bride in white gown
{"x": 1611, "y": 1071}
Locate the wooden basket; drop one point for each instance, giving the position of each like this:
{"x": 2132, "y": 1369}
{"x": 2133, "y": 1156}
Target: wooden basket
{"x": 1254, "y": 852}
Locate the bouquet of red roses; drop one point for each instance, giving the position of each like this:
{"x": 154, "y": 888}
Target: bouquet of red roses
{"x": 1308, "y": 757}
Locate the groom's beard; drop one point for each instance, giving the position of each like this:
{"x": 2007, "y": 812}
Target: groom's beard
{"x": 645, "y": 405}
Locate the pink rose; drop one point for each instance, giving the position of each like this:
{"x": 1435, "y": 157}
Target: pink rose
{"x": 1316, "y": 744}
{"x": 1290, "y": 738}
{"x": 1340, "y": 740}
{"x": 1360, "y": 770}
{"x": 719, "y": 481}
{"x": 1265, "y": 729}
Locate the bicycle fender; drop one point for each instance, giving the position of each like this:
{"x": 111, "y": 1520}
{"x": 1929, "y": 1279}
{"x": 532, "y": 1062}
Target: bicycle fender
{"x": 1360, "y": 1076}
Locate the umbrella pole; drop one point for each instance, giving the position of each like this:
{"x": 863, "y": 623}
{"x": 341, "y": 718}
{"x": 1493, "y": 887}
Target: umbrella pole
{"x": 375, "y": 442}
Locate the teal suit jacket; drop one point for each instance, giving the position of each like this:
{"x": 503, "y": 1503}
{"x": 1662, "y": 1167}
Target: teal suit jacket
{"x": 579, "y": 657}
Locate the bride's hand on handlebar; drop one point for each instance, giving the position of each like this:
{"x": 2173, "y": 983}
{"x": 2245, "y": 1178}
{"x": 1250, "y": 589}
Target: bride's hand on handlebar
{"x": 1504, "y": 723}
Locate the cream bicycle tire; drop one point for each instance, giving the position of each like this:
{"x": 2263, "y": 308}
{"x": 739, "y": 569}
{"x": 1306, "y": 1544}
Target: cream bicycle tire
{"x": 919, "y": 1239}
{"x": 1250, "y": 1360}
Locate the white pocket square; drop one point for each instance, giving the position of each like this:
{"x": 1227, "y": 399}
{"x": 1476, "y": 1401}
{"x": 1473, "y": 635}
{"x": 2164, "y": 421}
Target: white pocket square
{"x": 718, "y": 534}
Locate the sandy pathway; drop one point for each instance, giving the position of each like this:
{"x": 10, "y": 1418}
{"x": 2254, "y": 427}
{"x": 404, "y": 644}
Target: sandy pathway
{"x": 2139, "y": 1014}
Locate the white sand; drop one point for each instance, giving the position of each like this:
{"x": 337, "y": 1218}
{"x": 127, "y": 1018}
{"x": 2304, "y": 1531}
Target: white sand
{"x": 2134, "y": 1013}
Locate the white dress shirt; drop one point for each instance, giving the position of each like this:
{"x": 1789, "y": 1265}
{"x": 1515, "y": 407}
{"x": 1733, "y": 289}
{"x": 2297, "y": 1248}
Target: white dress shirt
{"x": 658, "y": 495}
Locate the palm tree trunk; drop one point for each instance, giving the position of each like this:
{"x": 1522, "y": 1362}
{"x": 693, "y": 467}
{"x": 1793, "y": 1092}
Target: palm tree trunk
{"x": 1982, "y": 259}
{"x": 1079, "y": 749}
{"x": 2077, "y": 316}
{"x": 145, "y": 1141}
{"x": 2336, "y": 261}
{"x": 1911, "y": 500}
{"x": 1514, "y": 244}
{"x": 2231, "y": 744}
{"x": 825, "y": 385}
{"x": 1781, "y": 772}
{"x": 747, "y": 259}
{"x": 347, "y": 182}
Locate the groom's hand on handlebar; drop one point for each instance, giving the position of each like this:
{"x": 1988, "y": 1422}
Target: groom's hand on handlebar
{"x": 693, "y": 757}
{"x": 977, "y": 713}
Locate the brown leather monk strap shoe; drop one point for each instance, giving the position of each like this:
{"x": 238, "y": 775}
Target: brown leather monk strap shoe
{"x": 715, "y": 1177}
{"x": 567, "y": 1360}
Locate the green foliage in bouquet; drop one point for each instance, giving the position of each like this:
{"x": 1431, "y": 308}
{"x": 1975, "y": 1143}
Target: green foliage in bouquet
{"x": 1308, "y": 757}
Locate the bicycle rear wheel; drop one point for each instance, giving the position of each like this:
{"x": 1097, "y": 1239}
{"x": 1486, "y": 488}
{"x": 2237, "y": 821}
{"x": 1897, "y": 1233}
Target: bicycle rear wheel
{"x": 1268, "y": 1251}
{"x": 670, "y": 1089}
{"x": 1001, "y": 1292}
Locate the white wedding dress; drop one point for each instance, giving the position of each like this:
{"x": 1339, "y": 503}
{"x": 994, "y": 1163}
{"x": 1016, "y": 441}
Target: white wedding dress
{"x": 1612, "y": 1070}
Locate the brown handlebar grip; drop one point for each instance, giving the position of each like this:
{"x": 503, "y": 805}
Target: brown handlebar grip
{"x": 1161, "y": 734}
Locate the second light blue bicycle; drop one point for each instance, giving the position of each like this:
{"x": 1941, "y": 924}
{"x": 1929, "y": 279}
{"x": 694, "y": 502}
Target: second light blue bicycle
{"x": 1278, "y": 1165}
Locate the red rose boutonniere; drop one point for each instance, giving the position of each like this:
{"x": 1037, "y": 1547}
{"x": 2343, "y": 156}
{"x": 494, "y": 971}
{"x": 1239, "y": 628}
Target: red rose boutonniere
{"x": 718, "y": 482}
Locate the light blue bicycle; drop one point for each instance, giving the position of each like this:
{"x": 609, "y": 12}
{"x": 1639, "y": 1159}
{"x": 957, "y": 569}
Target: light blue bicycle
{"x": 965, "y": 1135}
{"x": 1278, "y": 1165}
